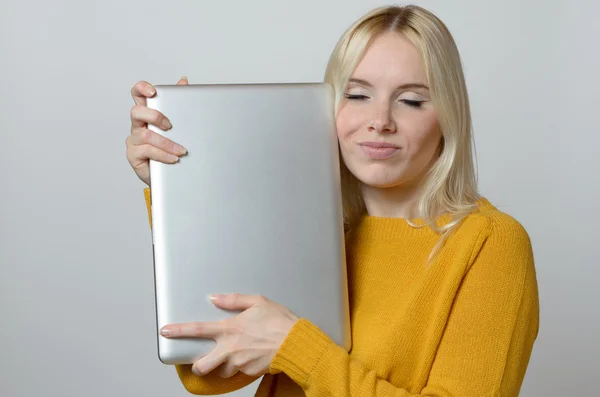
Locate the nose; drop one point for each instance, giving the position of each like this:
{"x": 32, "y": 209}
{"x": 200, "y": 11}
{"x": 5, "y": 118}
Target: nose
{"x": 382, "y": 121}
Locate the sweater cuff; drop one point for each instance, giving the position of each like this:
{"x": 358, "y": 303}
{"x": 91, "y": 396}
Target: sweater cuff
{"x": 148, "y": 197}
{"x": 300, "y": 352}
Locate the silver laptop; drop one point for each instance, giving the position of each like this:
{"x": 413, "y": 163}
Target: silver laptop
{"x": 254, "y": 207}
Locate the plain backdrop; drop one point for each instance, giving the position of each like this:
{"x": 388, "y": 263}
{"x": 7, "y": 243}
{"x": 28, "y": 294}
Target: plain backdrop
{"x": 76, "y": 283}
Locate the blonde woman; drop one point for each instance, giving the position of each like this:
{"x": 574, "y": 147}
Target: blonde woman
{"x": 443, "y": 291}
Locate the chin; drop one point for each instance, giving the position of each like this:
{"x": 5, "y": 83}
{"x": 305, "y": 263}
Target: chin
{"x": 381, "y": 181}
{"x": 378, "y": 175}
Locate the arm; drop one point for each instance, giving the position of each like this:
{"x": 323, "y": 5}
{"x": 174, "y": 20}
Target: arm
{"x": 211, "y": 383}
{"x": 485, "y": 348}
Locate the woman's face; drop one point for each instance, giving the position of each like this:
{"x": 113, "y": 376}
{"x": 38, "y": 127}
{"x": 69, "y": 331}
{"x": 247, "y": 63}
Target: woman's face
{"x": 387, "y": 126}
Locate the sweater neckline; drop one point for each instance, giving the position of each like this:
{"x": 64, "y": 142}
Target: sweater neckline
{"x": 384, "y": 228}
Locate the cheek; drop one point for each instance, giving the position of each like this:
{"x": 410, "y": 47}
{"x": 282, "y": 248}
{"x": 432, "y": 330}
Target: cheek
{"x": 347, "y": 123}
{"x": 425, "y": 136}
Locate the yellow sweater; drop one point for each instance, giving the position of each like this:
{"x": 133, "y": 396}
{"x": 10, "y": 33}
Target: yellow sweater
{"x": 464, "y": 326}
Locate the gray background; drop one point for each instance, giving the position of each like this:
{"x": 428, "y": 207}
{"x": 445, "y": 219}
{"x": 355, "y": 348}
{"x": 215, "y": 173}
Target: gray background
{"x": 76, "y": 307}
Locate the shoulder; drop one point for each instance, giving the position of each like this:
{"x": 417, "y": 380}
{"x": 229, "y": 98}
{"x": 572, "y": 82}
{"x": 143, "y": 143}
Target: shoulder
{"x": 492, "y": 236}
{"x": 498, "y": 225}
{"x": 502, "y": 241}
{"x": 504, "y": 261}
{"x": 488, "y": 225}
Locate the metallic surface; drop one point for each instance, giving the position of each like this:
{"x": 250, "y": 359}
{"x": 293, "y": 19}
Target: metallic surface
{"x": 254, "y": 207}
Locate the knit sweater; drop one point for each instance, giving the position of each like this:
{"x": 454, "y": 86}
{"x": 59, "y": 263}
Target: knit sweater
{"x": 463, "y": 325}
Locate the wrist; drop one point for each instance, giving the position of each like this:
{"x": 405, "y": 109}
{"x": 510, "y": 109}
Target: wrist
{"x": 284, "y": 327}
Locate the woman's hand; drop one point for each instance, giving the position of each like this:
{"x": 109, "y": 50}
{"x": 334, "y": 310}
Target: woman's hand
{"x": 247, "y": 342}
{"x": 144, "y": 144}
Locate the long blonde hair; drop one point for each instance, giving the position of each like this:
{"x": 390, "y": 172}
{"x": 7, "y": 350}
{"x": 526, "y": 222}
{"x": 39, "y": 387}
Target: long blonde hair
{"x": 450, "y": 187}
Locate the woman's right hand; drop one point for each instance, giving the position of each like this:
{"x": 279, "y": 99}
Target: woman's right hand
{"x": 144, "y": 144}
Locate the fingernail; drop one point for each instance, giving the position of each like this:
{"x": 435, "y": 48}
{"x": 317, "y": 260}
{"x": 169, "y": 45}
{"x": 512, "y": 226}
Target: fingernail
{"x": 172, "y": 158}
{"x": 195, "y": 371}
{"x": 165, "y": 332}
{"x": 151, "y": 91}
{"x": 166, "y": 123}
{"x": 180, "y": 149}
{"x": 215, "y": 297}
{"x": 184, "y": 78}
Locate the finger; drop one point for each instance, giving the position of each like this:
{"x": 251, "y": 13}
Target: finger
{"x": 140, "y": 153}
{"x": 202, "y": 330}
{"x": 142, "y": 115}
{"x": 142, "y": 90}
{"x": 227, "y": 370}
{"x": 211, "y": 361}
{"x": 149, "y": 137}
{"x": 183, "y": 81}
{"x": 236, "y": 301}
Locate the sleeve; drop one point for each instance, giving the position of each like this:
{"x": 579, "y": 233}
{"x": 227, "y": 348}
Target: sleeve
{"x": 211, "y": 383}
{"x": 485, "y": 348}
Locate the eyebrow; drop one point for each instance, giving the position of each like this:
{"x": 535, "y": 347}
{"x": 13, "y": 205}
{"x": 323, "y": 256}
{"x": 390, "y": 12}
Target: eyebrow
{"x": 403, "y": 86}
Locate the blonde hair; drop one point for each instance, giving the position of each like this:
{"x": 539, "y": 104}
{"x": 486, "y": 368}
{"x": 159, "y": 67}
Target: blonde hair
{"x": 450, "y": 186}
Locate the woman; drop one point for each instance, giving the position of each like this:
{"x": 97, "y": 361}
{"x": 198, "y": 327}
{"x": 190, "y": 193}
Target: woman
{"x": 443, "y": 291}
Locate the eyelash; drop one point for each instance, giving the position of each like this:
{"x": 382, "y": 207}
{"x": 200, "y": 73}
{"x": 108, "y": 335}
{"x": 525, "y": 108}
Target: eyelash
{"x": 407, "y": 102}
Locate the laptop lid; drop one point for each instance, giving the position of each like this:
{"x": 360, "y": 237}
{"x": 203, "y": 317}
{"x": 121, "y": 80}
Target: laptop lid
{"x": 254, "y": 207}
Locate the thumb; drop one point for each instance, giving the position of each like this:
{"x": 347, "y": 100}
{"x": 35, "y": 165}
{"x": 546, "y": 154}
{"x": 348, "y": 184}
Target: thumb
{"x": 183, "y": 81}
{"x": 234, "y": 301}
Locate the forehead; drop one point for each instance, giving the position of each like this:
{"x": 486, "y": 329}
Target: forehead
{"x": 392, "y": 58}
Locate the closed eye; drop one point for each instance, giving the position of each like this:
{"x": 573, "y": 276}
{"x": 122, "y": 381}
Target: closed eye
{"x": 356, "y": 97}
{"x": 414, "y": 104}
{"x": 408, "y": 102}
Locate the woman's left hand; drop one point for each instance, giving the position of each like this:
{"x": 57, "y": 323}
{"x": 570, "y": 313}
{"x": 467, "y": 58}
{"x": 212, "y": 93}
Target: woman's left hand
{"x": 246, "y": 342}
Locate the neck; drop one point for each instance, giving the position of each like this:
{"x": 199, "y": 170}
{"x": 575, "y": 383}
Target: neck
{"x": 393, "y": 202}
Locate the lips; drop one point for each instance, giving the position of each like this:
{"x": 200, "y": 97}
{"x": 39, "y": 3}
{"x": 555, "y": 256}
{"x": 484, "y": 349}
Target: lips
{"x": 379, "y": 150}
{"x": 379, "y": 145}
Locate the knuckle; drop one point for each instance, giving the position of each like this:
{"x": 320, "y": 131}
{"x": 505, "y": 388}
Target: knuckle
{"x": 138, "y": 86}
{"x": 238, "y": 361}
{"x": 237, "y": 330}
{"x": 134, "y": 111}
{"x": 232, "y": 328}
{"x": 228, "y": 372}
{"x": 130, "y": 151}
{"x": 130, "y": 156}
{"x": 250, "y": 369}
{"x": 157, "y": 117}
{"x": 236, "y": 346}
{"x": 197, "y": 329}
{"x": 163, "y": 142}
{"x": 252, "y": 372}
{"x": 146, "y": 135}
